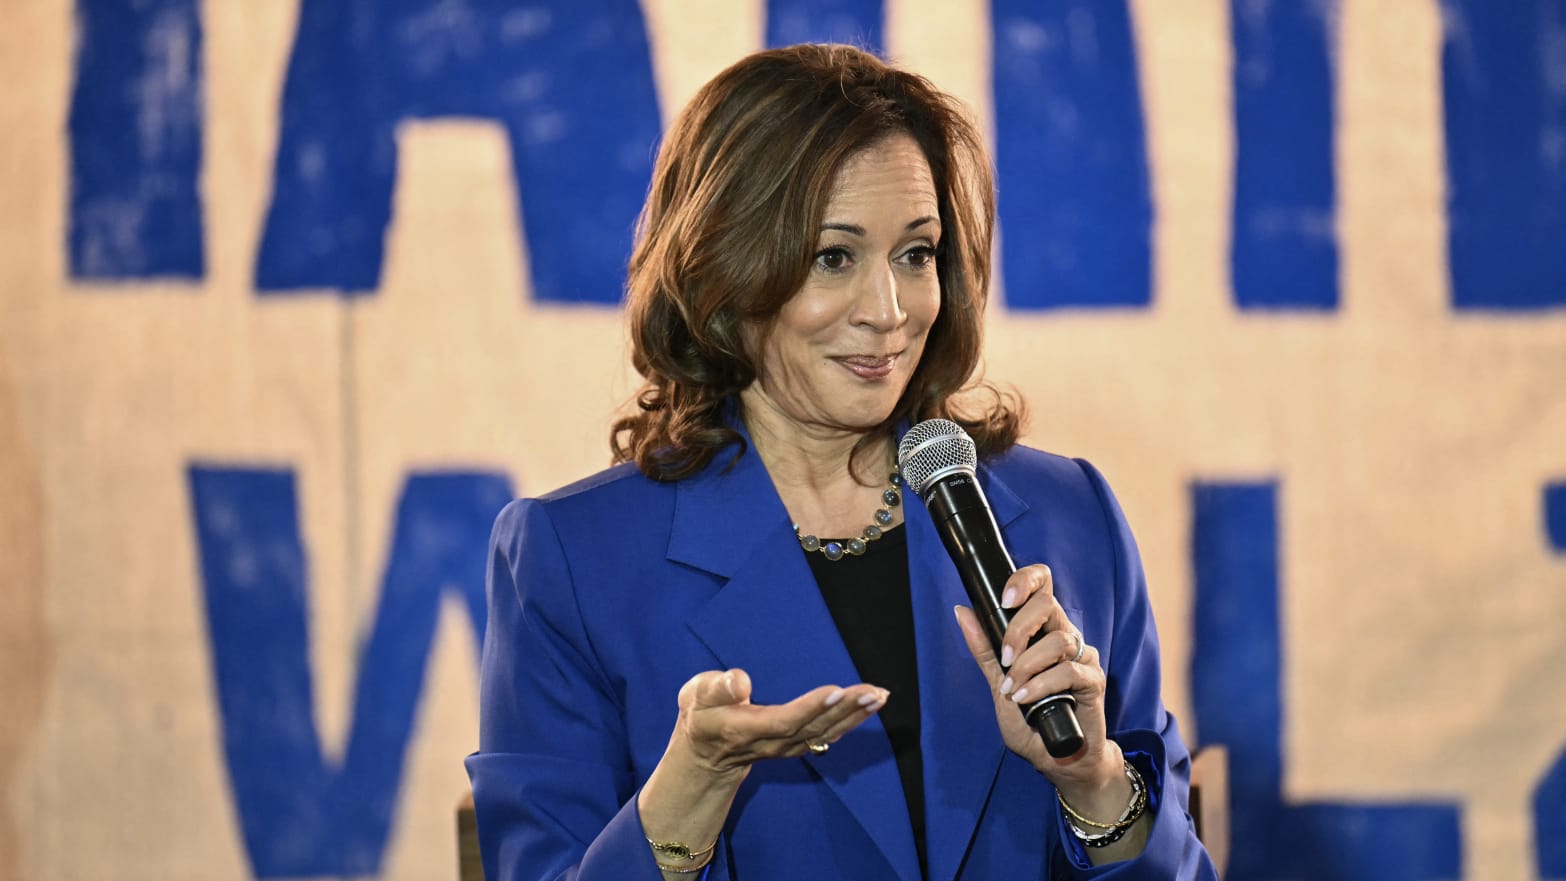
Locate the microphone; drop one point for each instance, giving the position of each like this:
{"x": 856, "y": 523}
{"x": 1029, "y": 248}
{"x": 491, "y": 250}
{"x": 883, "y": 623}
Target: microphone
{"x": 937, "y": 459}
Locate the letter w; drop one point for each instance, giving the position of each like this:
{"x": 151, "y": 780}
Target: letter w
{"x": 301, "y": 816}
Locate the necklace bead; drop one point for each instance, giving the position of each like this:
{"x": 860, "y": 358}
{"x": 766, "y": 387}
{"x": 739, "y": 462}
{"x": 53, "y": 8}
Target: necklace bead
{"x": 891, "y": 497}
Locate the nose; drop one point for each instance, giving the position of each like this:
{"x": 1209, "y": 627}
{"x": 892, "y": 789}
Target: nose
{"x": 876, "y": 301}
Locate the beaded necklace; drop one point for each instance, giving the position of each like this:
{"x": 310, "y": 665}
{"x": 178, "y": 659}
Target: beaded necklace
{"x": 834, "y": 550}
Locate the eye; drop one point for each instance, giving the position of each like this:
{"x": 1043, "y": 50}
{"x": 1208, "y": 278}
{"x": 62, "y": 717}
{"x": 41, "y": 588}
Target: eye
{"x": 834, "y": 259}
{"x": 920, "y": 256}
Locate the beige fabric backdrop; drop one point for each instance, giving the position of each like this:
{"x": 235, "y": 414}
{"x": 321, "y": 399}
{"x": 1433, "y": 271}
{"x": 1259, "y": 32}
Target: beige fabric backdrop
{"x": 1389, "y": 414}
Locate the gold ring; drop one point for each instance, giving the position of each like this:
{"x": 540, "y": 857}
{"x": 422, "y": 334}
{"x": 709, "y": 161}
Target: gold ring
{"x": 817, "y": 747}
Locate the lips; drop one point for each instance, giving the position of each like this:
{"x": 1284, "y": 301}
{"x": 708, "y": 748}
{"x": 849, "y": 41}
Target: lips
{"x": 869, "y": 366}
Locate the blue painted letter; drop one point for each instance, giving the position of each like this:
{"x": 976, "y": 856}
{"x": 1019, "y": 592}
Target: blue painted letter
{"x": 300, "y": 816}
{"x": 1506, "y": 152}
{"x": 1075, "y": 211}
{"x": 857, "y": 22}
{"x": 1549, "y": 800}
{"x": 1236, "y": 682}
{"x": 571, "y": 82}
{"x": 136, "y": 141}
{"x": 1284, "y": 254}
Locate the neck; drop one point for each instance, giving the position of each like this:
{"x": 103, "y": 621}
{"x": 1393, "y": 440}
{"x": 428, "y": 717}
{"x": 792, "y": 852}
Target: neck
{"x": 812, "y": 456}
{"x": 828, "y": 488}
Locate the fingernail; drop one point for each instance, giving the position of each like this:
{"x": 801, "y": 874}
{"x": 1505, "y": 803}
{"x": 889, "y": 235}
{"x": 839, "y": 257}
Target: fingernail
{"x": 1006, "y": 656}
{"x": 877, "y": 705}
{"x": 835, "y": 696}
{"x": 1009, "y": 597}
{"x": 1020, "y": 696}
{"x": 866, "y": 700}
{"x": 1006, "y": 685}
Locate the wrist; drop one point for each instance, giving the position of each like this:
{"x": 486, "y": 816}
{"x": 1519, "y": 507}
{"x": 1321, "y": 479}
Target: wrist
{"x": 686, "y": 799}
{"x": 1098, "y": 787}
{"x": 1096, "y": 834}
{"x": 679, "y": 858}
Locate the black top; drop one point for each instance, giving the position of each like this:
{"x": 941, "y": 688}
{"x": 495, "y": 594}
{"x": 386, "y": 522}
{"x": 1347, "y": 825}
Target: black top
{"x": 870, "y": 602}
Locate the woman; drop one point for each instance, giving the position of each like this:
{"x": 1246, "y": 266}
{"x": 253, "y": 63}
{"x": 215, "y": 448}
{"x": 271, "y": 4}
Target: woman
{"x": 682, "y": 676}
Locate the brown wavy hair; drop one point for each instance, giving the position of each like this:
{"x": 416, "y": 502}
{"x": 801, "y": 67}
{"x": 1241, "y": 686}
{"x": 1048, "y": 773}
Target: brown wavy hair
{"x": 727, "y": 236}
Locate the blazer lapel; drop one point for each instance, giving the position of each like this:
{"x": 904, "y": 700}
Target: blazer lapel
{"x": 959, "y": 738}
{"x": 770, "y": 620}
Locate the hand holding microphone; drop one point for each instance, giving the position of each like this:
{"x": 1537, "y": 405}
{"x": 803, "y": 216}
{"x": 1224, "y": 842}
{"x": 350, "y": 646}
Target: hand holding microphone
{"x": 938, "y": 461}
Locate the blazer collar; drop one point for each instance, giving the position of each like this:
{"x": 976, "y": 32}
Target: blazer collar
{"x": 770, "y": 620}
{"x": 725, "y": 510}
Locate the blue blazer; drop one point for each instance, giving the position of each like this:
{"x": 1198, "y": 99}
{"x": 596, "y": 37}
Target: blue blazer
{"x": 606, "y": 596}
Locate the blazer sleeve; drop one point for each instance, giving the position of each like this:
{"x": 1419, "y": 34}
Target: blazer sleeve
{"x": 553, "y": 788}
{"x": 1137, "y": 720}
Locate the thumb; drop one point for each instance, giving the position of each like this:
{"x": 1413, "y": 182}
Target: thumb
{"x": 715, "y": 688}
{"x": 978, "y": 644}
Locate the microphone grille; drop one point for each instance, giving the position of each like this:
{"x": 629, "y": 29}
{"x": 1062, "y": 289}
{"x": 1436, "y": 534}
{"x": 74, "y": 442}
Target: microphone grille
{"x": 931, "y": 450}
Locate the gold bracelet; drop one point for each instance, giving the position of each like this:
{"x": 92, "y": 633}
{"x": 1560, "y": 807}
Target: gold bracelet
{"x": 1132, "y": 812}
{"x": 690, "y": 871}
{"x": 681, "y": 851}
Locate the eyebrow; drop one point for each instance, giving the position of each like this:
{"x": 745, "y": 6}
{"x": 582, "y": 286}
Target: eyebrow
{"x": 857, "y": 230}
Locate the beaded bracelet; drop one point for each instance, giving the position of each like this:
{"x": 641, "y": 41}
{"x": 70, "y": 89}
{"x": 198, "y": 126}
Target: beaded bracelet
{"x": 1113, "y": 832}
{"x": 1103, "y": 839}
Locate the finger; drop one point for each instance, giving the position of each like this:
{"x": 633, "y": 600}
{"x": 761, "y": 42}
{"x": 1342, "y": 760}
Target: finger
{"x": 788, "y": 729}
{"x": 1029, "y": 591}
{"x": 813, "y": 711}
{"x": 1083, "y": 653}
{"x": 1084, "y": 679}
{"x": 1062, "y": 645}
{"x": 858, "y": 704}
{"x": 816, "y": 709}
{"x": 1055, "y": 647}
{"x": 1025, "y": 582}
{"x": 978, "y": 644}
{"x": 1042, "y": 614}
{"x": 739, "y": 686}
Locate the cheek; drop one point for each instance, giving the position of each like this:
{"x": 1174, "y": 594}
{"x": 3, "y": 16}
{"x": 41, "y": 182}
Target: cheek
{"x": 788, "y": 355}
{"x": 926, "y": 307}
{"x": 812, "y": 312}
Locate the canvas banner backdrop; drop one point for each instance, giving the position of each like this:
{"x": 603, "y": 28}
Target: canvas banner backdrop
{"x": 294, "y": 295}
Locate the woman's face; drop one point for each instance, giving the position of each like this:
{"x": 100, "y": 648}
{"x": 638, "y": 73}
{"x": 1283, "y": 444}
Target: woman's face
{"x": 842, "y": 350}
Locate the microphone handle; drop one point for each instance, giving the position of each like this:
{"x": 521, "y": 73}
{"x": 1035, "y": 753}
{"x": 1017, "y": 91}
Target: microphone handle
{"x": 967, "y": 527}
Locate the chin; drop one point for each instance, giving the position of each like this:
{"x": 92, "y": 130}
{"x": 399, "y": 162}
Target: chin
{"x": 872, "y": 412}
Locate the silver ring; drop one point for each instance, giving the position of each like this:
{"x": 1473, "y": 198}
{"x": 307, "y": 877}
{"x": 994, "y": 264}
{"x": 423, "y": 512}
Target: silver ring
{"x": 1081, "y": 649}
{"x": 818, "y": 747}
